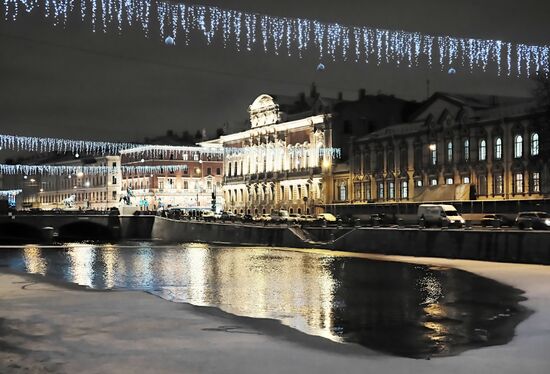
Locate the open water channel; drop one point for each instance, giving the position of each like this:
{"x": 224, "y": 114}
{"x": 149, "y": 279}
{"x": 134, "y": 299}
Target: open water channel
{"x": 397, "y": 308}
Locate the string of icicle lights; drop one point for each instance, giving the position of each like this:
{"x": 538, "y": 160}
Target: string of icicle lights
{"x": 293, "y": 36}
{"x": 82, "y": 147}
{"x": 8, "y": 193}
{"x": 59, "y": 170}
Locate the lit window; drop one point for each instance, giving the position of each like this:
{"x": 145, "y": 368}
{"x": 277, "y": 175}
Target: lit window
{"x": 433, "y": 182}
{"x": 380, "y": 190}
{"x": 357, "y": 191}
{"x": 499, "y": 184}
{"x": 534, "y": 144}
{"x": 391, "y": 190}
{"x": 465, "y": 180}
{"x": 498, "y": 149}
{"x": 449, "y": 181}
{"x": 419, "y": 183}
{"x": 343, "y": 191}
{"x": 482, "y": 150}
{"x": 450, "y": 151}
{"x": 433, "y": 150}
{"x": 518, "y": 146}
{"x": 518, "y": 183}
{"x": 466, "y": 150}
{"x": 535, "y": 182}
{"x": 404, "y": 190}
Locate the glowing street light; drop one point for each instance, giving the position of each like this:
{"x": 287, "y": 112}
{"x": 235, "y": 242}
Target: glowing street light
{"x": 432, "y": 147}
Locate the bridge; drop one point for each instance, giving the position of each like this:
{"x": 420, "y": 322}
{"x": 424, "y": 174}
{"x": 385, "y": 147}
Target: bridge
{"x": 41, "y": 228}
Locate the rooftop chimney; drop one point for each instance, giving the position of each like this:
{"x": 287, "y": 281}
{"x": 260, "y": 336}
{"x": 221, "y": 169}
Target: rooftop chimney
{"x": 340, "y": 96}
{"x": 362, "y": 94}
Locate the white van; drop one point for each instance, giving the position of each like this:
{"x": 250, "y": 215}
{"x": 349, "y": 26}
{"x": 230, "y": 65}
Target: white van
{"x": 439, "y": 214}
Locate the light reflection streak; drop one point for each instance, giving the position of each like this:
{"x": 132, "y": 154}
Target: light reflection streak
{"x": 109, "y": 256}
{"x": 81, "y": 258}
{"x": 34, "y": 262}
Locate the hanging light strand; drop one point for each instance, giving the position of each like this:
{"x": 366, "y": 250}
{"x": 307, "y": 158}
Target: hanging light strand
{"x": 293, "y": 36}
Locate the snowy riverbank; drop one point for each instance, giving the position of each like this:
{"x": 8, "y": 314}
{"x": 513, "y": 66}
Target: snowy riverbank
{"x": 49, "y": 326}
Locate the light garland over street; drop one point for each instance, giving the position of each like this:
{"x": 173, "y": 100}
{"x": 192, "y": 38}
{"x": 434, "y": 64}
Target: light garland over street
{"x": 178, "y": 22}
{"x": 88, "y": 147}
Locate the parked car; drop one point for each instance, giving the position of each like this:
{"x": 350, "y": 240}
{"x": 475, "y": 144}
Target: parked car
{"x": 536, "y": 220}
{"x": 247, "y": 218}
{"x": 440, "y": 215}
{"x": 328, "y": 217}
{"x": 175, "y": 213}
{"x": 308, "y": 218}
{"x": 280, "y": 216}
{"x": 208, "y": 216}
{"x": 228, "y": 216}
{"x": 496, "y": 219}
{"x": 294, "y": 218}
{"x": 266, "y": 217}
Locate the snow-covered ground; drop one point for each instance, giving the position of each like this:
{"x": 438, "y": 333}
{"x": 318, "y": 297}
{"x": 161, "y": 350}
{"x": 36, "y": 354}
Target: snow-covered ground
{"x": 58, "y": 328}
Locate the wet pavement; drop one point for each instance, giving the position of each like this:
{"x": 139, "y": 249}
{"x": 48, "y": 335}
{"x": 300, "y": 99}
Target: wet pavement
{"x": 398, "y": 308}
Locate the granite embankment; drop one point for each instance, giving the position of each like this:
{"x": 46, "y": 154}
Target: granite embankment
{"x": 523, "y": 246}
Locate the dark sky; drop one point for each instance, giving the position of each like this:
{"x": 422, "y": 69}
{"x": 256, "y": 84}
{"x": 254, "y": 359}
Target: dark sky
{"x": 70, "y": 82}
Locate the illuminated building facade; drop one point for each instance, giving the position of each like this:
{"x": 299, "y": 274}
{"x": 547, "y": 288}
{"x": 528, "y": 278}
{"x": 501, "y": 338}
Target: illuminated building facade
{"x": 455, "y": 147}
{"x": 48, "y": 192}
{"x": 199, "y": 173}
{"x": 278, "y": 163}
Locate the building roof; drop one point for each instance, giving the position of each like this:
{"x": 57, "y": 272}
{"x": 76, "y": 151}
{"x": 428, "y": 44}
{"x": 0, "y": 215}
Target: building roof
{"x": 477, "y": 106}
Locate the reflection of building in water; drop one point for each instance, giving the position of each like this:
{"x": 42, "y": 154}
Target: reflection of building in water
{"x": 34, "y": 261}
{"x": 81, "y": 264}
{"x": 265, "y": 284}
{"x": 109, "y": 256}
{"x": 197, "y": 266}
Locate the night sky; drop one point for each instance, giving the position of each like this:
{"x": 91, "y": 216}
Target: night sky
{"x": 71, "y": 82}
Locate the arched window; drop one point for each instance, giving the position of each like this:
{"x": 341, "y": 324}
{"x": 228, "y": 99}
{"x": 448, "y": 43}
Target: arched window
{"x": 518, "y": 146}
{"x": 433, "y": 154}
{"x": 343, "y": 191}
{"x": 404, "y": 189}
{"x": 466, "y": 150}
{"x": 498, "y": 148}
{"x": 482, "y": 150}
{"x": 450, "y": 151}
{"x": 534, "y": 144}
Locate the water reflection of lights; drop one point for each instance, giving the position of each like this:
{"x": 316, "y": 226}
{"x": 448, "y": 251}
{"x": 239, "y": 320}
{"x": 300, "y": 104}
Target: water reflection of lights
{"x": 81, "y": 259}
{"x": 109, "y": 256}
{"x": 196, "y": 261}
{"x": 322, "y": 294}
{"x": 430, "y": 286}
{"x": 143, "y": 266}
{"x": 34, "y": 262}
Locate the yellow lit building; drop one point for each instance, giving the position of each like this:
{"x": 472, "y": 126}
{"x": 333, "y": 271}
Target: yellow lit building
{"x": 282, "y": 160}
{"x": 455, "y": 147}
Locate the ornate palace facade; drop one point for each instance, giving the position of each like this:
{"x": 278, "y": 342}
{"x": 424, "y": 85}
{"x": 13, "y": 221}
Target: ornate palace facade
{"x": 454, "y": 148}
{"x": 279, "y": 163}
